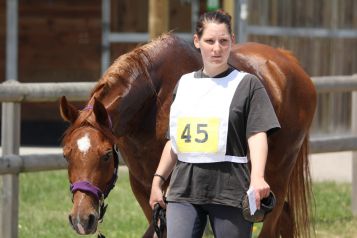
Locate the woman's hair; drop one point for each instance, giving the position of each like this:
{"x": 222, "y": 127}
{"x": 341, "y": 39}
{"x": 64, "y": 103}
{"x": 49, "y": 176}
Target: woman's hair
{"x": 218, "y": 16}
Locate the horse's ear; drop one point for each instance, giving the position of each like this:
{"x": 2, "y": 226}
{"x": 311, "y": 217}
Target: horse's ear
{"x": 101, "y": 114}
{"x": 68, "y": 112}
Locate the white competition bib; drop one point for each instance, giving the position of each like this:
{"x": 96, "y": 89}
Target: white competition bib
{"x": 199, "y": 118}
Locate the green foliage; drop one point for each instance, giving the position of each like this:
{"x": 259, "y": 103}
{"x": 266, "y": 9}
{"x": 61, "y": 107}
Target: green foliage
{"x": 45, "y": 202}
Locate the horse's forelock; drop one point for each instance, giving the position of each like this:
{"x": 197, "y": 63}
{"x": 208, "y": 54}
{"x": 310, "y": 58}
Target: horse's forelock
{"x": 80, "y": 122}
{"x": 84, "y": 123}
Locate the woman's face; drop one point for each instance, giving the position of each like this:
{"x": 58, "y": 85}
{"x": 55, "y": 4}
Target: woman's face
{"x": 215, "y": 45}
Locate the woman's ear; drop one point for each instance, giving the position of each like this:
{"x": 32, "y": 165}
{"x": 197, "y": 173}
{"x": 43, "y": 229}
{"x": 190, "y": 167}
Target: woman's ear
{"x": 196, "y": 41}
{"x": 233, "y": 39}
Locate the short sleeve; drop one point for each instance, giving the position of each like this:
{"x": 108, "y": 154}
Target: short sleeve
{"x": 261, "y": 114}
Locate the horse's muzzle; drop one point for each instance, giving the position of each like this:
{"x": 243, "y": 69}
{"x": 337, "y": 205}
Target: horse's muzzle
{"x": 84, "y": 225}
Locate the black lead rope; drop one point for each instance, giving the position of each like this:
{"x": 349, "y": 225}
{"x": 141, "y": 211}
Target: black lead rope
{"x": 159, "y": 220}
{"x": 103, "y": 209}
{"x": 100, "y": 235}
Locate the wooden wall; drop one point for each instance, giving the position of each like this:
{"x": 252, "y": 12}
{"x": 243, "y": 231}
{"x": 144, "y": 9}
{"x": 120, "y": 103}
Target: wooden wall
{"x": 61, "y": 41}
{"x": 319, "y": 56}
{"x": 2, "y": 39}
{"x": 128, "y": 17}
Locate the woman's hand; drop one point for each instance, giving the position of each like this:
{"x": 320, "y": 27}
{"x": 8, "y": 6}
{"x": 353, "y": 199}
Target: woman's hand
{"x": 157, "y": 195}
{"x": 261, "y": 189}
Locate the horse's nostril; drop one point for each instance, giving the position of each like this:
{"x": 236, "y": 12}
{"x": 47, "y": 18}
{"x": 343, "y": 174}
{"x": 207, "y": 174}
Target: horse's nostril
{"x": 91, "y": 221}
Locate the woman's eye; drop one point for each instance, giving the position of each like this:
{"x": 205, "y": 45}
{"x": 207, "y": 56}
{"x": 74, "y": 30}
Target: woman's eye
{"x": 210, "y": 41}
{"x": 223, "y": 41}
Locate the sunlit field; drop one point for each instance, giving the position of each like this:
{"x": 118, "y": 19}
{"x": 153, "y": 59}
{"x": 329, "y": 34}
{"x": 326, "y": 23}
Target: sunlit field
{"x": 45, "y": 202}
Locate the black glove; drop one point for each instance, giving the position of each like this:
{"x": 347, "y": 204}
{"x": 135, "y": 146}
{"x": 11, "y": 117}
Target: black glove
{"x": 266, "y": 205}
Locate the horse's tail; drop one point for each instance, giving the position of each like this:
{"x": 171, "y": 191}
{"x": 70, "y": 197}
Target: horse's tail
{"x": 300, "y": 193}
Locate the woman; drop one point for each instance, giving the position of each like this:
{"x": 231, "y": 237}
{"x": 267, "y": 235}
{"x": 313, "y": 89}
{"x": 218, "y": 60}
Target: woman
{"x": 218, "y": 114}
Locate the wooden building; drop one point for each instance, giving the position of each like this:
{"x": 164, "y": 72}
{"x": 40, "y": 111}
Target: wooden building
{"x": 60, "y": 41}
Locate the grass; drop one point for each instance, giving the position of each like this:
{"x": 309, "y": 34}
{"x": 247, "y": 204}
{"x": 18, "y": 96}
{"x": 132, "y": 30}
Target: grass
{"x": 45, "y": 202}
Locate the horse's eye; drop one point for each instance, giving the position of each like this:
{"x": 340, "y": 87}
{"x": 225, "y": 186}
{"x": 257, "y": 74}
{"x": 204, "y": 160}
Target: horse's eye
{"x": 64, "y": 156}
{"x": 107, "y": 156}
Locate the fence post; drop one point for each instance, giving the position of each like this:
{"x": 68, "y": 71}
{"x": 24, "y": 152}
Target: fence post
{"x": 105, "y": 35}
{"x": 10, "y": 134}
{"x": 242, "y": 17}
{"x": 229, "y": 7}
{"x": 158, "y": 17}
{"x": 354, "y": 153}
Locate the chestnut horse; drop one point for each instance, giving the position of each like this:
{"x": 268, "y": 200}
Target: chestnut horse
{"x": 129, "y": 107}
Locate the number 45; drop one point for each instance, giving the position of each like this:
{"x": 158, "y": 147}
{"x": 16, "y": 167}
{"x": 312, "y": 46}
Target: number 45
{"x": 200, "y": 129}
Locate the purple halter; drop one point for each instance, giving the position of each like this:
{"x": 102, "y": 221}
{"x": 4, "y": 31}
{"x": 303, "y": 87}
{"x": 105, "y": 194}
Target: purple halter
{"x": 86, "y": 186}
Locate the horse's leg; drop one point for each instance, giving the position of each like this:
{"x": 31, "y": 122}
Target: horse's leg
{"x": 286, "y": 222}
{"x": 279, "y": 225}
{"x": 288, "y": 179}
{"x": 142, "y": 195}
{"x": 280, "y": 164}
{"x": 271, "y": 227}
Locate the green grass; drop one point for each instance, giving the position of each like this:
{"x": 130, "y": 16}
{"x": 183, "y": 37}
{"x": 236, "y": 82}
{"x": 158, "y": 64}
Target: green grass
{"x": 45, "y": 202}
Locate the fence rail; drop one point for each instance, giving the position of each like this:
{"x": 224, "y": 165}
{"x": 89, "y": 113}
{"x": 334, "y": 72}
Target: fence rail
{"x": 13, "y": 91}
{"x": 14, "y": 164}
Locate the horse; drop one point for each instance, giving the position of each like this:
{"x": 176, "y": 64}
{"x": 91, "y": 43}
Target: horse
{"x": 129, "y": 109}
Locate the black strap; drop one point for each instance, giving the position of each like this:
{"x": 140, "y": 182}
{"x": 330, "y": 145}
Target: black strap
{"x": 159, "y": 220}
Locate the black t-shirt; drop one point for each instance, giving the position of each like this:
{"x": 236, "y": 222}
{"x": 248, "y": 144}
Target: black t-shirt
{"x": 226, "y": 182}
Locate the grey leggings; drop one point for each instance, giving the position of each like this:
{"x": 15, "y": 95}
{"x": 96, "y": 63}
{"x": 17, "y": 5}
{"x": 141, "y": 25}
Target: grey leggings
{"x": 186, "y": 220}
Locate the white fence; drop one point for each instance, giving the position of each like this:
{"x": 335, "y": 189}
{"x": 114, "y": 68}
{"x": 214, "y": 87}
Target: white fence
{"x": 13, "y": 93}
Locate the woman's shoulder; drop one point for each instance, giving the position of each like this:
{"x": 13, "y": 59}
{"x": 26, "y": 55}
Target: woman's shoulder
{"x": 250, "y": 80}
{"x": 188, "y": 75}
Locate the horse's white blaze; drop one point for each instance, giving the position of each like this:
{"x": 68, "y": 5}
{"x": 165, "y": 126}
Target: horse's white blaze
{"x": 79, "y": 225}
{"x": 84, "y": 144}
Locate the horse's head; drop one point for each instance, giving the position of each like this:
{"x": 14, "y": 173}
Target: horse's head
{"x": 90, "y": 149}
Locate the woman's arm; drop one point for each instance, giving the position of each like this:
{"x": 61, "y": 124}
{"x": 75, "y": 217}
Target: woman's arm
{"x": 258, "y": 147}
{"x": 166, "y": 165}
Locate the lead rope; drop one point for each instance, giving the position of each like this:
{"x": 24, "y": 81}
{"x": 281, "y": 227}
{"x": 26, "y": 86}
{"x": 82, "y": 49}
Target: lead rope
{"x": 159, "y": 220}
{"x": 102, "y": 210}
{"x": 100, "y": 235}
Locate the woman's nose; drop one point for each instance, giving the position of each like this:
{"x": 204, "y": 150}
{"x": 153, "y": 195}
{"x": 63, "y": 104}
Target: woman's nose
{"x": 217, "y": 46}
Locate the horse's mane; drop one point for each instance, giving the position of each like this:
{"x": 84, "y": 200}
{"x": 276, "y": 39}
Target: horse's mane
{"x": 125, "y": 69}
{"x": 129, "y": 66}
